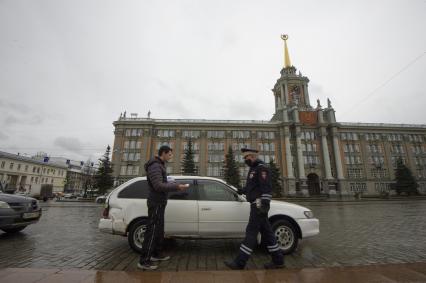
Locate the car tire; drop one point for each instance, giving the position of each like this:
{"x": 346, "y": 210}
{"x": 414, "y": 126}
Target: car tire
{"x": 136, "y": 234}
{"x": 286, "y": 235}
{"x": 13, "y": 230}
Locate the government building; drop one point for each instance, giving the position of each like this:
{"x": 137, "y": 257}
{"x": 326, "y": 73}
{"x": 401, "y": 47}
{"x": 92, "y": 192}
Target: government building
{"x": 316, "y": 154}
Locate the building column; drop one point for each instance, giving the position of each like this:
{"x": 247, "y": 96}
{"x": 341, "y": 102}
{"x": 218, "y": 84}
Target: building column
{"x": 277, "y": 106}
{"x": 306, "y": 94}
{"x": 18, "y": 181}
{"x": 282, "y": 97}
{"x": 338, "y": 161}
{"x": 301, "y": 163}
{"x": 286, "y": 93}
{"x": 328, "y": 187}
{"x": 289, "y": 162}
{"x": 326, "y": 155}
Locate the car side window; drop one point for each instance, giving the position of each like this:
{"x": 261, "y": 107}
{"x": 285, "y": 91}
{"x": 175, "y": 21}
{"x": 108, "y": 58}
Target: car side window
{"x": 138, "y": 189}
{"x": 215, "y": 191}
{"x": 188, "y": 194}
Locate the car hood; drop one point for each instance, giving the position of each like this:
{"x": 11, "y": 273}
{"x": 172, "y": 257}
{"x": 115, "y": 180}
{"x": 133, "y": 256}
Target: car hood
{"x": 288, "y": 204}
{"x": 14, "y": 198}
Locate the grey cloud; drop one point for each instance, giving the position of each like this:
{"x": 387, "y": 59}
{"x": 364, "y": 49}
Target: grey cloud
{"x": 10, "y": 120}
{"x": 68, "y": 143}
{"x": 3, "y": 136}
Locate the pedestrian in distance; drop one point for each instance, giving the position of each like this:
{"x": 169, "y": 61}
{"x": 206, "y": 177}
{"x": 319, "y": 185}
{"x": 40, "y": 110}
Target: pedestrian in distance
{"x": 156, "y": 202}
{"x": 258, "y": 191}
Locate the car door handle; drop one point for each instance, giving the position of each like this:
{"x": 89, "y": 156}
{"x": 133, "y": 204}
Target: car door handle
{"x": 206, "y": 208}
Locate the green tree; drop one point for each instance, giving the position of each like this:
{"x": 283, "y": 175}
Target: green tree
{"x": 405, "y": 181}
{"x": 230, "y": 169}
{"x": 188, "y": 164}
{"x": 275, "y": 179}
{"x": 103, "y": 178}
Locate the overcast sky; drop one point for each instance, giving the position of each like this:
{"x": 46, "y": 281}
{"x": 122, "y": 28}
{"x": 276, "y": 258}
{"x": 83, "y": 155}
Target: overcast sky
{"x": 69, "y": 68}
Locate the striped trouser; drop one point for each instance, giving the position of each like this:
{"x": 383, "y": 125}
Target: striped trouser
{"x": 154, "y": 234}
{"x": 258, "y": 223}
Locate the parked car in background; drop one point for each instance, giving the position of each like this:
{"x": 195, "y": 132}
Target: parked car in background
{"x": 101, "y": 199}
{"x": 209, "y": 208}
{"x": 17, "y": 212}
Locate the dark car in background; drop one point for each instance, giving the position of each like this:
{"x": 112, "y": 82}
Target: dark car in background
{"x": 17, "y": 212}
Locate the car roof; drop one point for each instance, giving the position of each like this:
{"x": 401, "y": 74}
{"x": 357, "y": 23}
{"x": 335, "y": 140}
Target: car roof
{"x": 178, "y": 177}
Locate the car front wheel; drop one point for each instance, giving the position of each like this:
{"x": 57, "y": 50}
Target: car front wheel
{"x": 286, "y": 235}
{"x": 13, "y": 230}
{"x": 136, "y": 235}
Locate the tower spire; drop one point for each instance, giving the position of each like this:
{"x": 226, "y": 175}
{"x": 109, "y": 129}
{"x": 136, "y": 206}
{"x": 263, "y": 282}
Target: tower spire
{"x": 287, "y": 62}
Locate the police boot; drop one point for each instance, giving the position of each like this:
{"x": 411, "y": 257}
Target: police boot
{"x": 232, "y": 265}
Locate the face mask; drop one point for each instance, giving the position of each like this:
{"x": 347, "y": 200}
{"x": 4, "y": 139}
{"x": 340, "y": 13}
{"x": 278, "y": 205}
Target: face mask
{"x": 248, "y": 162}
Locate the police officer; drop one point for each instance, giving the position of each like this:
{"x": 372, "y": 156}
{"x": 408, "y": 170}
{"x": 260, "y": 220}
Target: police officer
{"x": 258, "y": 191}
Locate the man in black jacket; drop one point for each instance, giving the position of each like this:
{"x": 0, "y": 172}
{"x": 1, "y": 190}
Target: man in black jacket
{"x": 157, "y": 201}
{"x": 258, "y": 191}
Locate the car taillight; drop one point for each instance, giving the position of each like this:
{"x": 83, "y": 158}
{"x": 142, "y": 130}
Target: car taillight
{"x": 105, "y": 213}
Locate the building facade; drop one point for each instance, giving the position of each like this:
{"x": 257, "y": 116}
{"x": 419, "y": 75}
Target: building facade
{"x": 28, "y": 175}
{"x": 316, "y": 154}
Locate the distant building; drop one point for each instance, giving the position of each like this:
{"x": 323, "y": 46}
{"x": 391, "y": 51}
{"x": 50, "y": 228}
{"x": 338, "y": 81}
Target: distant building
{"x": 80, "y": 174}
{"x": 316, "y": 154}
{"x": 26, "y": 174}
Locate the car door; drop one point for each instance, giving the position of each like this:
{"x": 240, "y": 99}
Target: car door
{"x": 181, "y": 216}
{"x": 221, "y": 212}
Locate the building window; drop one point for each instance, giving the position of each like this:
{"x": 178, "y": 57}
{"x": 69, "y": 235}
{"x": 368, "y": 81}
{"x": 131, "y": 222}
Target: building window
{"x": 239, "y": 146}
{"x": 397, "y": 148}
{"x": 266, "y": 146}
{"x": 349, "y": 136}
{"x": 3, "y": 163}
{"x": 266, "y": 135}
{"x": 216, "y": 134}
{"x": 11, "y": 165}
{"x": 241, "y": 134}
{"x": 215, "y": 146}
{"x": 214, "y": 170}
{"x": 308, "y": 135}
{"x": 216, "y": 157}
{"x": 165, "y": 133}
{"x": 372, "y": 137}
{"x": 195, "y": 146}
{"x": 19, "y": 167}
{"x": 191, "y": 134}
{"x": 134, "y": 132}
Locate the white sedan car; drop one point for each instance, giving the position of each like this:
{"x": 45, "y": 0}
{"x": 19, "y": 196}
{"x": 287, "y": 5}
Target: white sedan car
{"x": 209, "y": 208}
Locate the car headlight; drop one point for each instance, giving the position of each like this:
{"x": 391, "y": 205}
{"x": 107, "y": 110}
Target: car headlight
{"x": 308, "y": 214}
{"x": 4, "y": 204}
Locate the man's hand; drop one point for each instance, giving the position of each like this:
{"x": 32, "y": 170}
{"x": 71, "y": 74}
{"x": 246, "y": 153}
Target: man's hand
{"x": 182, "y": 187}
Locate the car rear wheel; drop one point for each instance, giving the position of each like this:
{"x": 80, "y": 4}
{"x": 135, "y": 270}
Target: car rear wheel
{"x": 286, "y": 235}
{"x": 14, "y": 230}
{"x": 136, "y": 235}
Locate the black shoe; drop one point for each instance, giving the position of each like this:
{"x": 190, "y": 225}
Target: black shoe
{"x": 160, "y": 257}
{"x": 147, "y": 266}
{"x": 232, "y": 265}
{"x": 271, "y": 265}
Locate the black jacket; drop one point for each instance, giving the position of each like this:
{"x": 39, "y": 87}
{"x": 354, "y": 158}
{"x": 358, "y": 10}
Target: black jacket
{"x": 258, "y": 184}
{"x": 157, "y": 179}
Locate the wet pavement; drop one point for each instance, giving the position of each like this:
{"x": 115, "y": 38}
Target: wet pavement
{"x": 411, "y": 272}
{"x": 352, "y": 234}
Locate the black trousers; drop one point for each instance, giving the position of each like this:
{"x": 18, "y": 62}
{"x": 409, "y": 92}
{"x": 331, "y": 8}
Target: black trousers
{"x": 258, "y": 223}
{"x": 154, "y": 234}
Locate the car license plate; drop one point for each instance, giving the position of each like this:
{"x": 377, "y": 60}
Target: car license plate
{"x": 31, "y": 215}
